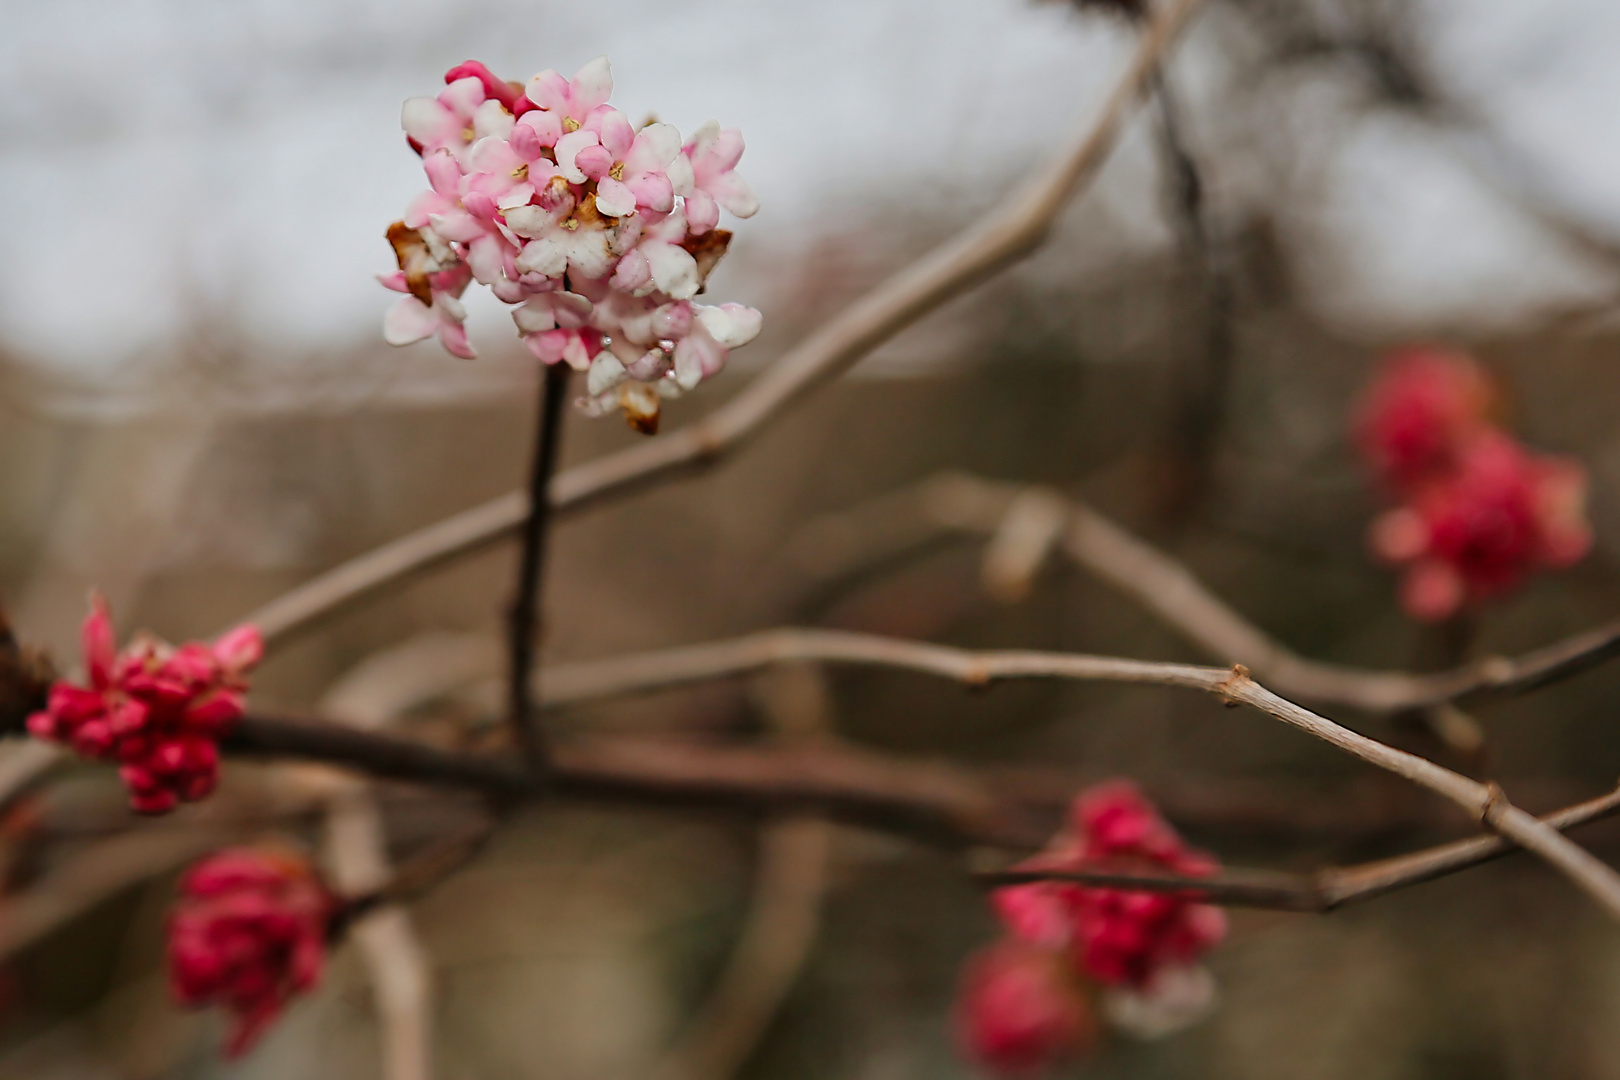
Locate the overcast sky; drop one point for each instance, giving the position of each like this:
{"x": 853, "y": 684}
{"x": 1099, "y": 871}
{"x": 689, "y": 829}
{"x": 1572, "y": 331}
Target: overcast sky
{"x": 169, "y": 158}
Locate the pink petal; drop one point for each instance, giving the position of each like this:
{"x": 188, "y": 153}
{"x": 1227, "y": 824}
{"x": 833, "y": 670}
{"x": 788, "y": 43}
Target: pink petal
{"x": 568, "y": 148}
{"x": 443, "y": 173}
{"x": 408, "y": 321}
{"x": 702, "y": 213}
{"x": 545, "y": 127}
{"x": 614, "y": 197}
{"x": 463, "y": 97}
{"x": 594, "y": 161}
{"x": 548, "y": 90}
{"x": 240, "y": 648}
{"x": 653, "y": 191}
{"x": 615, "y": 132}
{"x": 453, "y": 336}
{"x": 98, "y": 642}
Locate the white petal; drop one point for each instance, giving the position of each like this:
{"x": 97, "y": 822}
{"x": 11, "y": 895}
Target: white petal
{"x": 492, "y": 120}
{"x": 606, "y": 373}
{"x": 529, "y": 221}
{"x": 704, "y": 136}
{"x": 688, "y": 364}
{"x": 409, "y": 321}
{"x": 674, "y": 270}
{"x": 732, "y": 192}
{"x": 658, "y": 142}
{"x": 593, "y": 84}
{"x": 573, "y": 310}
{"x": 545, "y": 256}
{"x": 588, "y": 253}
{"x": 424, "y": 119}
{"x": 535, "y": 316}
{"x": 680, "y": 174}
{"x": 463, "y": 96}
{"x": 732, "y": 325}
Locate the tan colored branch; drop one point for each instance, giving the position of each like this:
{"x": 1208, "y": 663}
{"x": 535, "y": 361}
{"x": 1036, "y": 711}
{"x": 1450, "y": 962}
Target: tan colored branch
{"x": 784, "y": 915}
{"x": 1234, "y": 686}
{"x": 1166, "y": 588}
{"x": 1327, "y": 889}
{"x": 652, "y": 670}
{"x": 1017, "y": 228}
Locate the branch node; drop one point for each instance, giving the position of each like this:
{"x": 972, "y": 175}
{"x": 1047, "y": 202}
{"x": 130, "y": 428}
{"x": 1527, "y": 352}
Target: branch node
{"x": 976, "y": 677}
{"x": 1496, "y": 804}
{"x": 1497, "y": 670}
{"x": 1233, "y": 685}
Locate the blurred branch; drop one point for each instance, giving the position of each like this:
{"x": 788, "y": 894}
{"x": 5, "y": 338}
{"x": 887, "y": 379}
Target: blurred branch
{"x": 1324, "y": 890}
{"x": 100, "y": 870}
{"x": 1204, "y": 369}
{"x": 1016, "y": 229}
{"x": 1484, "y": 802}
{"x": 784, "y": 913}
{"x": 760, "y": 779}
{"x": 933, "y": 801}
{"x": 1166, "y": 588}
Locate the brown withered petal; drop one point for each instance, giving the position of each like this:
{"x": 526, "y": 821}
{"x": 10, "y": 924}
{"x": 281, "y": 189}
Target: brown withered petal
{"x": 641, "y": 407}
{"x": 411, "y": 252}
{"x": 708, "y": 249}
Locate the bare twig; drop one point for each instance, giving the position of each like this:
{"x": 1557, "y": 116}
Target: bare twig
{"x": 982, "y": 668}
{"x": 1017, "y": 228}
{"x": 1163, "y": 585}
{"x": 930, "y": 801}
{"x": 1324, "y": 890}
{"x": 524, "y": 631}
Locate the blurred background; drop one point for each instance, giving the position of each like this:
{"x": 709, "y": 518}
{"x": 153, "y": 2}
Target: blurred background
{"x": 198, "y": 413}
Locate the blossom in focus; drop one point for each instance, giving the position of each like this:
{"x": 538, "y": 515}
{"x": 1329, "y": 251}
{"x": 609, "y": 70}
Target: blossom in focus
{"x": 1134, "y": 953}
{"x": 1023, "y": 1011}
{"x": 247, "y": 933}
{"x": 1476, "y": 512}
{"x": 158, "y": 710}
{"x": 597, "y": 232}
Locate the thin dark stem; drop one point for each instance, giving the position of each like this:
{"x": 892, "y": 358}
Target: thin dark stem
{"x": 928, "y": 801}
{"x": 1204, "y": 370}
{"x": 524, "y": 630}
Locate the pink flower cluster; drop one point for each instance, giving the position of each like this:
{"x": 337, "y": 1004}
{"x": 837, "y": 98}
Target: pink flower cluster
{"x": 1475, "y": 511}
{"x": 1027, "y": 1001}
{"x": 598, "y": 233}
{"x": 157, "y": 710}
{"x": 248, "y": 933}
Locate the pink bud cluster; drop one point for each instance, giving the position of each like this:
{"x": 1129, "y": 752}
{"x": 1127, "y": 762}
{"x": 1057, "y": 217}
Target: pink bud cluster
{"x": 1027, "y": 1002}
{"x": 1475, "y": 511}
{"x": 248, "y": 933}
{"x": 597, "y": 232}
{"x": 157, "y": 710}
